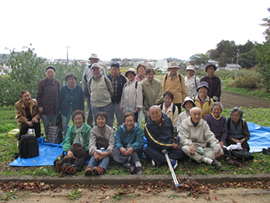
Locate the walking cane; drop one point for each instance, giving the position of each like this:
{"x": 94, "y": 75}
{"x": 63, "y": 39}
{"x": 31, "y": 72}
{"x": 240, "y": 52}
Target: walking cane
{"x": 164, "y": 151}
{"x": 189, "y": 173}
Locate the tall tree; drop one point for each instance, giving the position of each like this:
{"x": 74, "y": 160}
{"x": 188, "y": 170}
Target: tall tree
{"x": 199, "y": 59}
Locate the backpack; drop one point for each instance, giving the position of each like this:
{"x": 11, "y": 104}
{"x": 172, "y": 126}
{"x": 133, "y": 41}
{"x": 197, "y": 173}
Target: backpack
{"x": 136, "y": 84}
{"x": 173, "y": 108}
{"x": 55, "y": 135}
{"x": 28, "y": 146}
{"x": 178, "y": 75}
{"x": 241, "y": 155}
{"x": 104, "y": 80}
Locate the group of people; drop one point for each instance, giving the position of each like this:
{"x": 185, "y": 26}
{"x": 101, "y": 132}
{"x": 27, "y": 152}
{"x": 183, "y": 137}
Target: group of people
{"x": 200, "y": 128}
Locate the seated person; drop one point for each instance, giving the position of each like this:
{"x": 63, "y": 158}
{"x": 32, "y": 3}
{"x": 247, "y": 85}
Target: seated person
{"x": 129, "y": 144}
{"x": 187, "y": 105}
{"x": 79, "y": 132}
{"x": 27, "y": 114}
{"x": 202, "y": 100}
{"x": 237, "y": 128}
{"x": 169, "y": 108}
{"x": 101, "y": 144}
{"x": 159, "y": 132}
{"x": 195, "y": 134}
{"x": 217, "y": 123}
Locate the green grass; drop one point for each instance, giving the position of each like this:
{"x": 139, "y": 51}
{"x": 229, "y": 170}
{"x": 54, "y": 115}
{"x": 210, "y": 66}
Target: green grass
{"x": 258, "y": 165}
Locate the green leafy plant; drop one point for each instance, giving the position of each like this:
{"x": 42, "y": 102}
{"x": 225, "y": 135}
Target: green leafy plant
{"x": 9, "y": 195}
{"x": 77, "y": 194}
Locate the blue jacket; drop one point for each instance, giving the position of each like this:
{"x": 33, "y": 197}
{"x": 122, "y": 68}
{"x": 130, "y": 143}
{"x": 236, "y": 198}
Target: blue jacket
{"x": 133, "y": 137}
{"x": 120, "y": 85}
{"x": 159, "y": 137}
{"x": 71, "y": 98}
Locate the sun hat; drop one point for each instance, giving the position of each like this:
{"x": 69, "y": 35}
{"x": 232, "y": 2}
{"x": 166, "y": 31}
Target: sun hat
{"x": 188, "y": 99}
{"x": 173, "y": 64}
{"x": 208, "y": 65}
{"x": 94, "y": 65}
{"x": 131, "y": 70}
{"x": 190, "y": 67}
{"x": 202, "y": 84}
{"x": 93, "y": 56}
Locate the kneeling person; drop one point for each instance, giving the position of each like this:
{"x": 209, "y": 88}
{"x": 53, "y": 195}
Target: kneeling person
{"x": 195, "y": 134}
{"x": 159, "y": 132}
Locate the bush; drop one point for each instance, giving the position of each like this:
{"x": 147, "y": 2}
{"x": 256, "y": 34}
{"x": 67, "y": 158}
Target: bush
{"x": 249, "y": 81}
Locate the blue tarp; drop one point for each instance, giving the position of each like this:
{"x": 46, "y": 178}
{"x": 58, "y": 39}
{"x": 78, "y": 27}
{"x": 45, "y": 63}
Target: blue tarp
{"x": 260, "y": 138}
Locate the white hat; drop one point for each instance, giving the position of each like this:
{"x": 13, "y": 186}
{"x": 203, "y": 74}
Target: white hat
{"x": 94, "y": 65}
{"x": 93, "y": 56}
{"x": 190, "y": 67}
{"x": 131, "y": 70}
{"x": 173, "y": 64}
{"x": 188, "y": 99}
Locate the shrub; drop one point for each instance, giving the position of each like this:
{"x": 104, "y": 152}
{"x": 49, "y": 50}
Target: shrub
{"x": 248, "y": 81}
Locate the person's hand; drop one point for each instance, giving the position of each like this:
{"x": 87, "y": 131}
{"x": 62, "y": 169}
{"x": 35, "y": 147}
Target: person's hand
{"x": 30, "y": 124}
{"x": 122, "y": 109}
{"x": 174, "y": 145}
{"x": 137, "y": 109}
{"x": 123, "y": 151}
{"x": 34, "y": 120}
{"x": 218, "y": 154}
{"x": 40, "y": 109}
{"x": 235, "y": 140}
{"x": 221, "y": 144}
{"x": 103, "y": 155}
{"x": 70, "y": 154}
{"x": 129, "y": 151}
{"x": 97, "y": 156}
{"x": 241, "y": 141}
{"x": 192, "y": 149}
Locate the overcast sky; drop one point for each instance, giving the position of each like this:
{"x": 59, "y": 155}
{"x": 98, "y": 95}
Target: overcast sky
{"x": 129, "y": 29}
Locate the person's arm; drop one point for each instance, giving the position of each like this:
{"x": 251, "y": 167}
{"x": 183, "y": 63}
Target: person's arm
{"x": 184, "y": 135}
{"x": 224, "y": 132}
{"x": 139, "y": 99}
{"x": 37, "y": 116}
{"x": 163, "y": 83}
{"x": 19, "y": 114}
{"x": 159, "y": 97}
{"x": 109, "y": 84}
{"x": 211, "y": 138}
{"x": 81, "y": 99}
{"x": 138, "y": 144}
{"x": 67, "y": 142}
{"x": 61, "y": 99}
{"x": 111, "y": 141}
{"x": 118, "y": 142}
{"x": 217, "y": 93}
{"x": 184, "y": 88}
{"x": 84, "y": 82}
{"x": 175, "y": 116}
{"x": 245, "y": 131}
{"x": 92, "y": 143}
{"x": 39, "y": 96}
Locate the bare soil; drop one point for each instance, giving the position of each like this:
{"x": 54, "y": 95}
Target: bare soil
{"x": 231, "y": 195}
{"x": 230, "y": 100}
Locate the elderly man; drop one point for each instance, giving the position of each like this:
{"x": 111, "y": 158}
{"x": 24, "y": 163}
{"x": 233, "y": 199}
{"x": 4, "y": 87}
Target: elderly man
{"x": 159, "y": 132}
{"x": 195, "y": 134}
{"x": 175, "y": 83}
{"x": 100, "y": 91}
{"x": 87, "y": 74}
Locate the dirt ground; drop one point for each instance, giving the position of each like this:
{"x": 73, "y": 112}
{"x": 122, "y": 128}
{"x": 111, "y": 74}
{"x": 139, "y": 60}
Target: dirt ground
{"x": 230, "y": 100}
{"x": 236, "y": 195}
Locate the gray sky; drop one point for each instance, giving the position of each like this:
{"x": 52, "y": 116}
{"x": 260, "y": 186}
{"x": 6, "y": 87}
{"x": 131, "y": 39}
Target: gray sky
{"x": 129, "y": 29}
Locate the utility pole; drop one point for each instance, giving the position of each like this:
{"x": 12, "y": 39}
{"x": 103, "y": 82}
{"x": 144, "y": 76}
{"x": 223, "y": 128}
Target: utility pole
{"x": 237, "y": 62}
{"x": 67, "y": 54}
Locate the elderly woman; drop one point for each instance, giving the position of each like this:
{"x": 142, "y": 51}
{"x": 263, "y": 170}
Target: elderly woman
{"x": 187, "y": 105}
{"x": 152, "y": 91}
{"x": 203, "y": 101}
{"x": 129, "y": 144}
{"x": 27, "y": 114}
{"x": 170, "y": 109}
{"x": 141, "y": 73}
{"x": 191, "y": 81}
{"x": 237, "y": 128}
{"x": 70, "y": 99}
{"x": 101, "y": 145}
{"x": 217, "y": 123}
{"x": 131, "y": 100}
{"x": 79, "y": 132}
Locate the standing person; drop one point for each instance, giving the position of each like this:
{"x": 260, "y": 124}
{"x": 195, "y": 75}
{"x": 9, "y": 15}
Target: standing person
{"x": 175, "y": 83}
{"x": 203, "y": 101}
{"x": 70, "y": 99}
{"x": 152, "y": 91}
{"x": 87, "y": 74}
{"x": 213, "y": 82}
{"x": 47, "y": 98}
{"x": 191, "y": 81}
{"x": 140, "y": 73}
{"x": 118, "y": 82}
{"x": 129, "y": 144}
{"x": 27, "y": 114}
{"x": 100, "y": 91}
{"x": 131, "y": 100}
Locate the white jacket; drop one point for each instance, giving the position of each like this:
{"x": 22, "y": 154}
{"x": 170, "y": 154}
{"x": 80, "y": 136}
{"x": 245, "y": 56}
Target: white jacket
{"x": 199, "y": 135}
{"x": 192, "y": 84}
{"x": 131, "y": 97}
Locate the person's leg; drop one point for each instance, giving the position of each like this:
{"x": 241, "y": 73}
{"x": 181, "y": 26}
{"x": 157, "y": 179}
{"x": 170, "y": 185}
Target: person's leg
{"x": 46, "y": 123}
{"x": 94, "y": 111}
{"x": 136, "y": 116}
{"x": 245, "y": 145}
{"x": 24, "y": 130}
{"x": 119, "y": 157}
{"x": 53, "y": 119}
{"x": 80, "y": 161}
{"x": 104, "y": 163}
{"x": 37, "y": 129}
{"x": 152, "y": 154}
{"x": 209, "y": 153}
{"x": 64, "y": 124}
{"x": 197, "y": 157}
{"x": 89, "y": 112}
{"x": 92, "y": 162}
{"x": 177, "y": 154}
{"x": 140, "y": 117}
{"x": 119, "y": 114}
{"x": 110, "y": 112}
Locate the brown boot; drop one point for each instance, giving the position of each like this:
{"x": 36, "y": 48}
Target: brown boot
{"x": 229, "y": 161}
{"x": 98, "y": 170}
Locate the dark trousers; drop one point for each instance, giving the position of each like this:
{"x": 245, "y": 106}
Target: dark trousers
{"x": 159, "y": 157}
{"x": 179, "y": 107}
{"x": 245, "y": 145}
{"x": 80, "y": 161}
{"x": 25, "y": 127}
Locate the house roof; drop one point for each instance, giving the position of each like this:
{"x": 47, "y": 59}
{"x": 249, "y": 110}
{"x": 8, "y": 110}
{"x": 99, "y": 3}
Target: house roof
{"x": 233, "y": 66}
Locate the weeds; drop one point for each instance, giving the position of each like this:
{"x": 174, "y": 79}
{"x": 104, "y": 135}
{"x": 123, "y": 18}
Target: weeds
{"x": 77, "y": 194}
{"x": 9, "y": 195}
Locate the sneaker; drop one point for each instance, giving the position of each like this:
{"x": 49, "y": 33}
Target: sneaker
{"x": 98, "y": 170}
{"x": 72, "y": 169}
{"x": 139, "y": 170}
{"x": 174, "y": 164}
{"x": 131, "y": 169}
{"x": 216, "y": 164}
{"x": 65, "y": 168}
{"x": 153, "y": 163}
{"x": 88, "y": 171}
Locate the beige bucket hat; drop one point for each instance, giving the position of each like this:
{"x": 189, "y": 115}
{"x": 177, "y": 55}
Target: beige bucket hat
{"x": 93, "y": 56}
{"x": 173, "y": 64}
